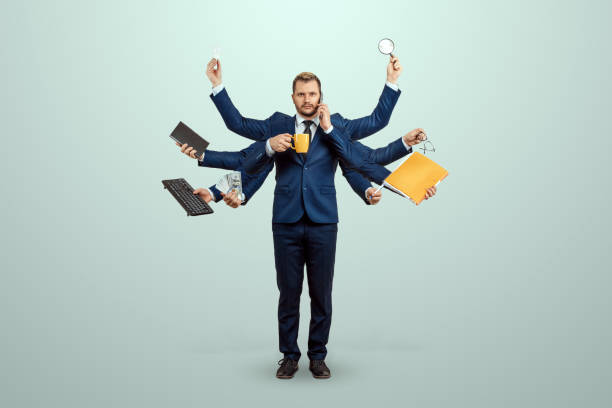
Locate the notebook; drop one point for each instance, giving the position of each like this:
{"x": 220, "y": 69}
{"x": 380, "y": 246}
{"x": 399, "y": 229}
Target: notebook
{"x": 183, "y": 134}
{"x": 414, "y": 176}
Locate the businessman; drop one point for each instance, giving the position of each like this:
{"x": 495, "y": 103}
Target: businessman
{"x": 305, "y": 214}
{"x": 252, "y": 182}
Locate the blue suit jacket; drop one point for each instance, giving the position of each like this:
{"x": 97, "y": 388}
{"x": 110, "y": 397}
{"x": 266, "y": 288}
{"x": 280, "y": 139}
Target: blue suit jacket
{"x": 305, "y": 184}
{"x": 252, "y": 182}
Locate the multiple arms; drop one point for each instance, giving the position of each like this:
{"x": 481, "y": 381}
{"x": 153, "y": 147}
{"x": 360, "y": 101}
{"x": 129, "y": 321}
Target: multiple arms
{"x": 255, "y": 164}
{"x": 230, "y": 161}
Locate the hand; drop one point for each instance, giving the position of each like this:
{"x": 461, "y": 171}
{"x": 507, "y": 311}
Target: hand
{"x": 430, "y": 192}
{"x": 204, "y": 194}
{"x": 232, "y": 199}
{"x": 373, "y": 197}
{"x": 214, "y": 74}
{"x": 394, "y": 69}
{"x": 415, "y": 136}
{"x": 280, "y": 143}
{"x": 324, "y": 117}
{"x": 188, "y": 150}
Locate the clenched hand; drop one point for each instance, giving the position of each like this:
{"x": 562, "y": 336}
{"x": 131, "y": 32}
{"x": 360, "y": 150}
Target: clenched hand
{"x": 214, "y": 75}
{"x": 232, "y": 199}
{"x": 374, "y": 196}
{"x": 204, "y": 194}
{"x": 188, "y": 150}
{"x": 415, "y": 136}
{"x": 280, "y": 143}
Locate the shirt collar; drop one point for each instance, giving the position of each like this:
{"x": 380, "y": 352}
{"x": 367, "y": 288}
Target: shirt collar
{"x": 299, "y": 119}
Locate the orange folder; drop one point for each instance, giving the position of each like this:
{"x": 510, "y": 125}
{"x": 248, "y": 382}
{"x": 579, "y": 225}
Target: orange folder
{"x": 414, "y": 176}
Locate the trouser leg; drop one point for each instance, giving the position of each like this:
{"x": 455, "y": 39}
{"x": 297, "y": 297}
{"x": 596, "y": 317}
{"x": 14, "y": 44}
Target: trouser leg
{"x": 320, "y": 258}
{"x": 289, "y": 260}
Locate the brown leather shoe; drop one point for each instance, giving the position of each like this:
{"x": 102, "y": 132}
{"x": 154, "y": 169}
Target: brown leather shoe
{"x": 319, "y": 369}
{"x": 287, "y": 368}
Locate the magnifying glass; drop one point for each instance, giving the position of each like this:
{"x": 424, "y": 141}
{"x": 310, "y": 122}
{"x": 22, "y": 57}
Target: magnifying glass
{"x": 386, "y": 46}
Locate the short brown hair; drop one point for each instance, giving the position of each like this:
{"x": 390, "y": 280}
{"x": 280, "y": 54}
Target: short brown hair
{"x": 306, "y": 76}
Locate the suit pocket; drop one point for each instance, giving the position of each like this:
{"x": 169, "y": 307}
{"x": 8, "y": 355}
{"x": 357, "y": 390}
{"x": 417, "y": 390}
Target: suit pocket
{"x": 281, "y": 190}
{"x": 328, "y": 190}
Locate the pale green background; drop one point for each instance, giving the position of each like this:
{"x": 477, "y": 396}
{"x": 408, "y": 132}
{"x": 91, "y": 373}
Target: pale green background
{"x": 496, "y": 293}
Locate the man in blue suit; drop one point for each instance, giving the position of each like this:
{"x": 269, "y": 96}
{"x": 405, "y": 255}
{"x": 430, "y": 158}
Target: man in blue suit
{"x": 305, "y": 214}
{"x": 252, "y": 182}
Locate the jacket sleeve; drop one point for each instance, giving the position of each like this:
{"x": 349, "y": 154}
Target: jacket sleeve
{"x": 378, "y": 119}
{"x": 358, "y": 183}
{"x": 226, "y": 160}
{"x": 216, "y": 193}
{"x": 253, "y": 129}
{"x": 355, "y": 155}
{"x": 252, "y": 182}
{"x": 390, "y": 153}
{"x": 257, "y": 159}
{"x": 221, "y": 160}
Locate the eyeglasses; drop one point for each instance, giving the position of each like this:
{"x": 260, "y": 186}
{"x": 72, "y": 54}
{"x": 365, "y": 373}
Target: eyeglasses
{"x": 427, "y": 147}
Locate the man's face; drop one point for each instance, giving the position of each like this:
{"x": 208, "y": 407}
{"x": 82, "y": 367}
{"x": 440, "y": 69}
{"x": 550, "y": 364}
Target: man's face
{"x": 306, "y": 97}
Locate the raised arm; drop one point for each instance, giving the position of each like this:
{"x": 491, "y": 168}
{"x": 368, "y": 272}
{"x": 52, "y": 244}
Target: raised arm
{"x": 380, "y": 116}
{"x": 253, "y": 129}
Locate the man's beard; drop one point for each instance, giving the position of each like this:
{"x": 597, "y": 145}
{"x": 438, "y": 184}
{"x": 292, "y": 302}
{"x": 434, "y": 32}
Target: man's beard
{"x": 303, "y": 111}
{"x": 310, "y": 112}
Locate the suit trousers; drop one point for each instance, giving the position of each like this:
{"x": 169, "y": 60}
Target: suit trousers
{"x": 295, "y": 245}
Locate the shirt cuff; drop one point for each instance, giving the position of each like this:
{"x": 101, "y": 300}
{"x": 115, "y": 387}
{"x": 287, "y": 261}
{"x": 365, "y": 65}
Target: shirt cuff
{"x": 389, "y": 84}
{"x": 328, "y": 131}
{"x": 408, "y": 147}
{"x": 212, "y": 194}
{"x": 201, "y": 161}
{"x": 217, "y": 89}
{"x": 269, "y": 151}
{"x": 366, "y": 194}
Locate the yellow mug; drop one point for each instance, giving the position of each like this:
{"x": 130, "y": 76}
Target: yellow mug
{"x": 301, "y": 142}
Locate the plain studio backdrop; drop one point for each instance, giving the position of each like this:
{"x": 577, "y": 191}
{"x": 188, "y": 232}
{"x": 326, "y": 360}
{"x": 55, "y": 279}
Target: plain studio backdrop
{"x": 495, "y": 293}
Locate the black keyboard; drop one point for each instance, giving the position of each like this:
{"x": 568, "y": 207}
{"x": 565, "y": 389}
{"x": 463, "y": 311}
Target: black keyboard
{"x": 183, "y": 192}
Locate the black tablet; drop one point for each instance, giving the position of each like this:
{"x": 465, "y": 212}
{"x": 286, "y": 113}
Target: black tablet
{"x": 183, "y": 134}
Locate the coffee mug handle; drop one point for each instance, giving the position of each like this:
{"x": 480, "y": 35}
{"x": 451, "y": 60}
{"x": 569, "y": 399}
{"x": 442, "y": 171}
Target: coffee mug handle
{"x": 293, "y": 140}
